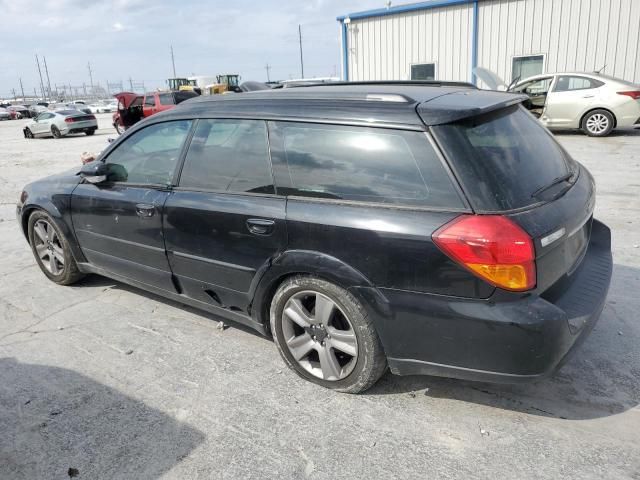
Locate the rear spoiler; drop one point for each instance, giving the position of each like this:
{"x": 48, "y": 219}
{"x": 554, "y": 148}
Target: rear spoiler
{"x": 464, "y": 104}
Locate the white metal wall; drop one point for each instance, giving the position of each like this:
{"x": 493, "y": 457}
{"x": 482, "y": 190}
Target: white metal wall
{"x": 573, "y": 35}
{"x": 384, "y": 48}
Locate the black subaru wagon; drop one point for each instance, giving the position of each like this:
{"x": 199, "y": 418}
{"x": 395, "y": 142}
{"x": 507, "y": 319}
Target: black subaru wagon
{"x": 429, "y": 228}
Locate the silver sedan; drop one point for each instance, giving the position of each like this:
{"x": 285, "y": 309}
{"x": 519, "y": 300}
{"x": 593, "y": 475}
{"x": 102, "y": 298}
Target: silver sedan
{"x": 61, "y": 123}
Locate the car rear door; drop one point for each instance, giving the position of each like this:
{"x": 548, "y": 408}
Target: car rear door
{"x": 118, "y": 222}
{"x": 224, "y": 223}
{"x": 569, "y": 99}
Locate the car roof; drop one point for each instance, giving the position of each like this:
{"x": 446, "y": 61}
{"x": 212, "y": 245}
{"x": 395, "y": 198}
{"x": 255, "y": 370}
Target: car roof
{"x": 371, "y": 103}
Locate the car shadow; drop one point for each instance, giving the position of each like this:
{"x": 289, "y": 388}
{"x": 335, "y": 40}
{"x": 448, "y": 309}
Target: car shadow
{"x": 57, "y": 423}
{"x": 623, "y": 132}
{"x": 601, "y": 378}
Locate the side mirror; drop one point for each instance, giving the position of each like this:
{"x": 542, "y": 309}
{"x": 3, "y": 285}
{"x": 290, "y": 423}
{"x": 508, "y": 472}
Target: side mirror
{"x": 98, "y": 172}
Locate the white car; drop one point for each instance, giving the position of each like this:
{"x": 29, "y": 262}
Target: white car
{"x": 60, "y": 123}
{"x": 591, "y": 102}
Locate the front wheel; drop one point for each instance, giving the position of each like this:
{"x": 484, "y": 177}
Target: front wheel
{"x": 51, "y": 250}
{"x": 28, "y": 133}
{"x": 598, "y": 123}
{"x": 324, "y": 334}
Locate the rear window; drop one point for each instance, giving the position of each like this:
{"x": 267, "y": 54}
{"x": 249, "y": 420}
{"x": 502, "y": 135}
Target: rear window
{"x": 364, "y": 164}
{"x": 504, "y": 159}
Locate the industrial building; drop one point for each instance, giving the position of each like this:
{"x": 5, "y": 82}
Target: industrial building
{"x": 446, "y": 39}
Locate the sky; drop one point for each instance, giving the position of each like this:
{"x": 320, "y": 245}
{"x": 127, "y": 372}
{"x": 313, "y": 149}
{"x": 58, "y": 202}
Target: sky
{"x": 132, "y": 38}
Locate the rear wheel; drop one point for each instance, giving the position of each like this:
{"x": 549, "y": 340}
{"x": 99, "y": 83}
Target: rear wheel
{"x": 119, "y": 128}
{"x": 323, "y": 333}
{"x": 90, "y": 132}
{"x": 598, "y": 123}
{"x": 51, "y": 249}
{"x": 55, "y": 132}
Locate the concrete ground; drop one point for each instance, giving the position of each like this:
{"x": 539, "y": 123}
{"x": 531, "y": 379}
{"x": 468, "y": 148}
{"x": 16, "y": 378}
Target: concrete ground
{"x": 101, "y": 380}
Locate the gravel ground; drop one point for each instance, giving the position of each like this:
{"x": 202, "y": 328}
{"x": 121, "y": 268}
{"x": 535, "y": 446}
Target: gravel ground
{"x": 101, "y": 380}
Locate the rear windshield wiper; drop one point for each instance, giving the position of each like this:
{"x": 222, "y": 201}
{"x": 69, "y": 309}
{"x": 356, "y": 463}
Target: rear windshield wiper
{"x": 567, "y": 176}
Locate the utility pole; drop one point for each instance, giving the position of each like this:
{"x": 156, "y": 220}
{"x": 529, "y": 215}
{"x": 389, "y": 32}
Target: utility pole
{"x": 13, "y": 90}
{"x": 267, "y": 67}
{"x": 300, "y": 41}
{"x": 131, "y": 83}
{"x": 84, "y": 88}
{"x": 21, "y": 88}
{"x": 173, "y": 62}
{"x": 40, "y": 73}
{"x": 90, "y": 74}
{"x": 47, "y": 71}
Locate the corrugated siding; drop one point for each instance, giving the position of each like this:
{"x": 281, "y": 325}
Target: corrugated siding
{"x": 573, "y": 35}
{"x": 384, "y": 48}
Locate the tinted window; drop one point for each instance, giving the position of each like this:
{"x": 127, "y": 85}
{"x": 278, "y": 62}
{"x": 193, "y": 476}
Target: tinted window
{"x": 165, "y": 99}
{"x": 425, "y": 71}
{"x": 150, "y": 101}
{"x": 228, "y": 155}
{"x": 364, "y": 164}
{"x": 184, "y": 95}
{"x": 504, "y": 158}
{"x": 150, "y": 155}
{"x": 568, "y": 83}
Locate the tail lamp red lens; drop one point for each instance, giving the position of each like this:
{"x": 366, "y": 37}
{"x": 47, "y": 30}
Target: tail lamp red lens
{"x": 69, "y": 120}
{"x": 492, "y": 247}
{"x": 634, "y": 94}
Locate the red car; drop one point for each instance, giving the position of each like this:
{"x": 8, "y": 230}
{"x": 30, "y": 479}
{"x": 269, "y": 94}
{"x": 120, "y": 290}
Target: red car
{"x": 17, "y": 112}
{"x": 133, "y": 107}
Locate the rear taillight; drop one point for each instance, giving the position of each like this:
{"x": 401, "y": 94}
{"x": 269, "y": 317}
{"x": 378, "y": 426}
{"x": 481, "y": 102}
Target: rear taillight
{"x": 91, "y": 117}
{"x": 69, "y": 120}
{"x": 492, "y": 247}
{"x": 633, "y": 94}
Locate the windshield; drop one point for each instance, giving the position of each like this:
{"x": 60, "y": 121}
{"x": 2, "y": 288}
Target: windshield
{"x": 505, "y": 160}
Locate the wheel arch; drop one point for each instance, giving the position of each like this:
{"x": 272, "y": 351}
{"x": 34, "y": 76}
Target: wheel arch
{"x": 592, "y": 109}
{"x": 55, "y": 214}
{"x": 304, "y": 262}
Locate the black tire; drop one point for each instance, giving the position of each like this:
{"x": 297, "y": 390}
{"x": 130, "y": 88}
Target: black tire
{"x": 370, "y": 362}
{"x": 55, "y": 132}
{"x": 28, "y": 133}
{"x": 119, "y": 128}
{"x": 598, "y": 123}
{"x": 90, "y": 132}
{"x": 69, "y": 272}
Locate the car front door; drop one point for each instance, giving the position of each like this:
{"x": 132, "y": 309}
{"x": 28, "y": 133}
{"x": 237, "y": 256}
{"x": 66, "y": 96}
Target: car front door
{"x": 118, "y": 222}
{"x": 42, "y": 126}
{"x": 569, "y": 99}
{"x": 223, "y": 222}
{"x": 537, "y": 90}
{"x": 149, "y": 106}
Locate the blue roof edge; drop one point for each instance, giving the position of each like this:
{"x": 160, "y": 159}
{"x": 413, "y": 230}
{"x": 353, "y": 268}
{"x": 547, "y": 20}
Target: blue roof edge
{"x": 411, "y": 7}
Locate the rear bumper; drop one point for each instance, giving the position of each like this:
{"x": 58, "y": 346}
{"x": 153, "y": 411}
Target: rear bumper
{"x": 506, "y": 342}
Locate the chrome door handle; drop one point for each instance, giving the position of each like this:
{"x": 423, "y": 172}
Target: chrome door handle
{"x": 145, "y": 210}
{"x": 260, "y": 226}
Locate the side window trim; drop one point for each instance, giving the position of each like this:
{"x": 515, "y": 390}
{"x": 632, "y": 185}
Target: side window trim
{"x": 183, "y": 156}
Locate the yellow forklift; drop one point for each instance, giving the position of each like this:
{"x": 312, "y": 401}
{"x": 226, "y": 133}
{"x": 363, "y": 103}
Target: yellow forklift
{"x": 183, "y": 84}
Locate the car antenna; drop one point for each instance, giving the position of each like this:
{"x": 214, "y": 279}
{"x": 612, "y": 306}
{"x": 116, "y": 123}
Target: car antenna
{"x": 598, "y": 71}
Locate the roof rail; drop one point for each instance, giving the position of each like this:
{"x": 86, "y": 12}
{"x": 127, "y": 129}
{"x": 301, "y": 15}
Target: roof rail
{"x": 409, "y": 83}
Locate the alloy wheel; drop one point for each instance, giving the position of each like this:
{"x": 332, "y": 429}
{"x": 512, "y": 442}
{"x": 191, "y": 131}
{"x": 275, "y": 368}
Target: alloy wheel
{"x": 55, "y": 132}
{"x": 597, "y": 123}
{"x": 319, "y": 336}
{"x": 48, "y": 247}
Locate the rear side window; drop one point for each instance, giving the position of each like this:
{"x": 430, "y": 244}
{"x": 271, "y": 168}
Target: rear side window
{"x": 228, "y": 156}
{"x": 363, "y": 164}
{"x": 568, "y": 83}
{"x": 504, "y": 159}
{"x": 150, "y": 101}
{"x": 165, "y": 99}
